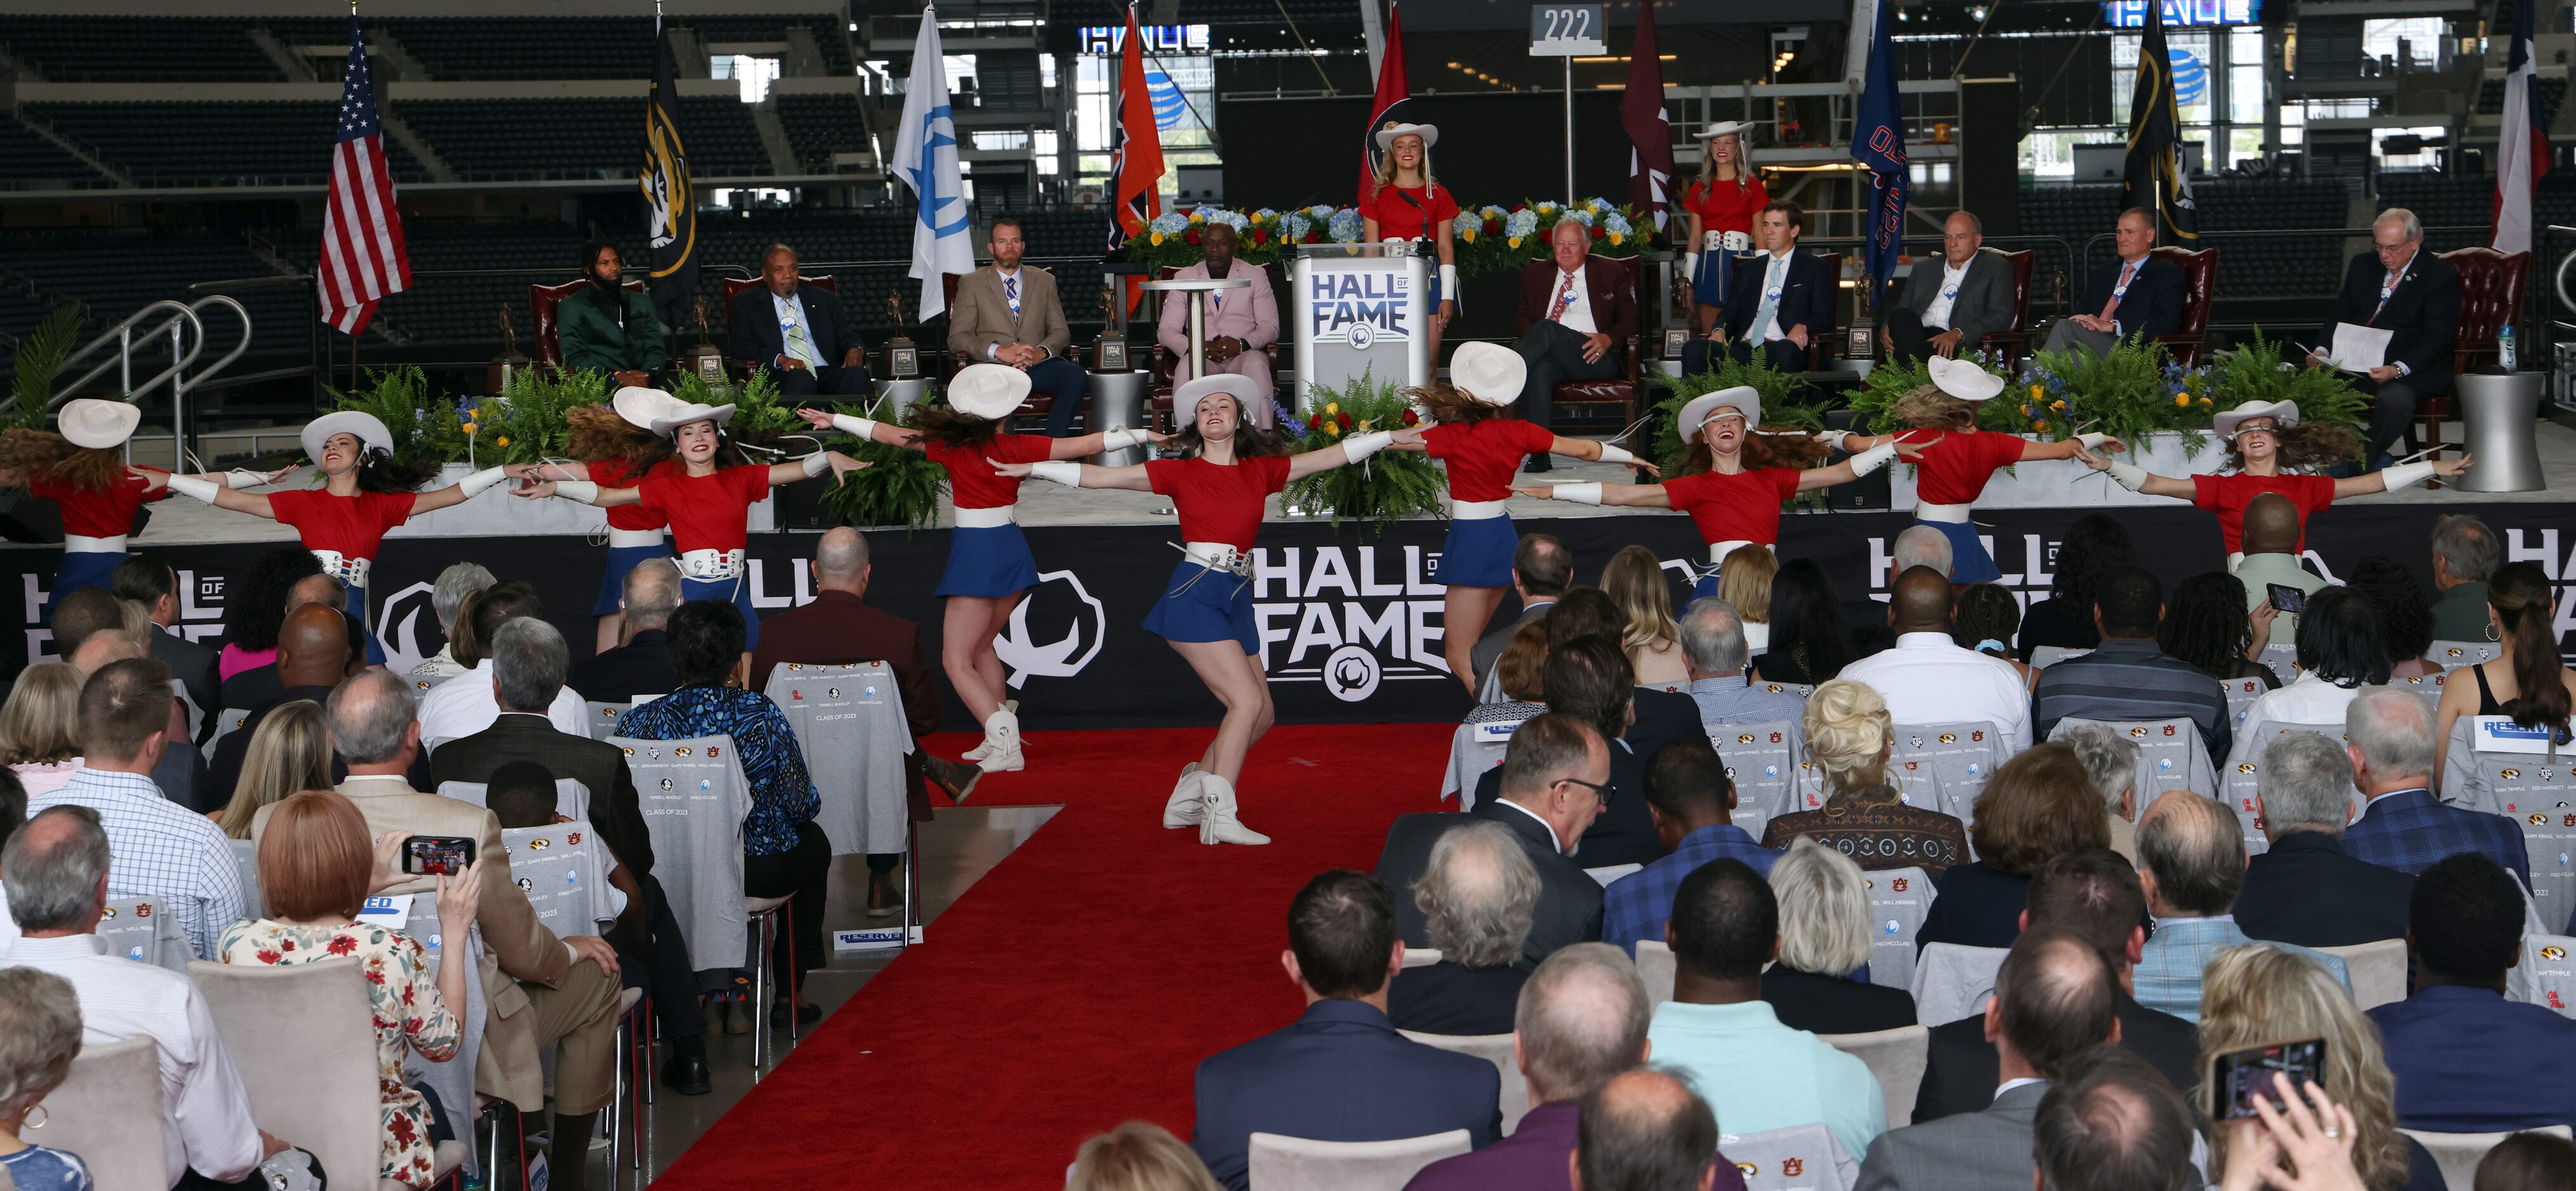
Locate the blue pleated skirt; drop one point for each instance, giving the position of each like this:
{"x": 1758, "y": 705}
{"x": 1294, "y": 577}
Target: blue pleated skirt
{"x": 358, "y": 608}
{"x": 1716, "y": 278}
{"x": 1204, "y": 605}
{"x": 621, "y": 561}
{"x": 1969, "y": 562}
{"x": 988, "y": 562}
{"x": 735, "y": 591}
{"x": 79, "y": 570}
{"x": 1478, "y": 553}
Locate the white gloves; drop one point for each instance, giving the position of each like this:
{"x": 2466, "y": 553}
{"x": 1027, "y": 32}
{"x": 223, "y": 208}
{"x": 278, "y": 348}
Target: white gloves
{"x": 195, "y": 486}
{"x": 2128, "y": 475}
{"x": 581, "y": 490}
{"x": 1690, "y": 267}
{"x": 242, "y": 478}
{"x": 865, "y": 429}
{"x": 2092, "y": 441}
{"x": 816, "y": 464}
{"x": 1062, "y": 471}
{"x": 1361, "y": 446}
{"x": 1872, "y": 459}
{"x": 1120, "y": 440}
{"x": 476, "y": 484}
{"x": 1611, "y": 454}
{"x": 2405, "y": 475}
{"x": 1449, "y": 283}
{"x": 1582, "y": 494}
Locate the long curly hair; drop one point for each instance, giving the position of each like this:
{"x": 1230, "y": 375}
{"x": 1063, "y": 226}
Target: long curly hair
{"x": 379, "y": 471}
{"x": 2206, "y": 624}
{"x": 950, "y": 427}
{"x": 32, "y": 455}
{"x": 1928, "y": 406}
{"x": 255, "y": 608}
{"x": 1759, "y": 450}
{"x": 2096, "y": 545}
{"x": 2308, "y": 445}
{"x": 1448, "y": 403}
{"x": 596, "y": 434}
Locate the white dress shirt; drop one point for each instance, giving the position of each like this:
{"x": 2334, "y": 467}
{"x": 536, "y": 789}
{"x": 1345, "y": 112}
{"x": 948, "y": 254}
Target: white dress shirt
{"x": 1928, "y": 679}
{"x": 2309, "y": 700}
{"x": 467, "y": 704}
{"x": 993, "y": 351}
{"x": 1937, "y": 312}
{"x": 1552, "y": 836}
{"x": 791, "y": 312}
{"x": 1578, "y": 308}
{"x": 159, "y": 849}
{"x": 1775, "y": 280}
{"x": 208, "y": 1110}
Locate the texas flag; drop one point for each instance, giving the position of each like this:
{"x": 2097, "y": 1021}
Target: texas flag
{"x": 2522, "y": 150}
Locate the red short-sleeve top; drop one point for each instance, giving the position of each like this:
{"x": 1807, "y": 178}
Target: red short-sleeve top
{"x": 2228, "y": 495}
{"x": 710, "y": 512}
{"x": 94, "y": 514}
{"x": 1724, "y": 206}
{"x": 352, "y": 526}
{"x": 1954, "y": 466}
{"x": 1743, "y": 507}
{"x": 1409, "y": 212}
{"x": 619, "y": 473}
{"x": 1219, "y": 502}
{"x": 973, "y": 483}
{"x": 1483, "y": 455}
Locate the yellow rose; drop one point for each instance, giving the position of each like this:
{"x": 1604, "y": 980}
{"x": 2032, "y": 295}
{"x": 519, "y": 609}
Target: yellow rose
{"x": 2040, "y": 426}
{"x": 1468, "y": 235}
{"x": 1514, "y": 242}
{"x": 2036, "y": 391}
{"x": 1332, "y": 428}
{"x": 503, "y": 441}
{"x": 2204, "y": 401}
{"x": 1332, "y": 407}
{"x": 2181, "y": 400}
{"x": 1195, "y": 217}
{"x": 1158, "y": 239}
{"x": 1616, "y": 239}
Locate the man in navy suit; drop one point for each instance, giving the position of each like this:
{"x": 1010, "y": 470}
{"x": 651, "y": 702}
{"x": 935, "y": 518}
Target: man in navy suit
{"x": 2304, "y": 890}
{"x": 2139, "y": 294}
{"x": 1793, "y": 299}
{"x": 2415, "y": 297}
{"x": 2467, "y": 1060}
{"x": 798, "y": 332}
{"x": 2389, "y": 734}
{"x": 1340, "y": 1072}
{"x": 1556, "y": 779}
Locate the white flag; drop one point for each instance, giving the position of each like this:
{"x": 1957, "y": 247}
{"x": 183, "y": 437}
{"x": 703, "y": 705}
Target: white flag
{"x": 925, "y": 156}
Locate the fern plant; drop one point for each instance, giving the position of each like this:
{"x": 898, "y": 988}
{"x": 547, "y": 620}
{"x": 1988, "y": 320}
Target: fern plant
{"x": 424, "y": 426}
{"x": 2257, "y": 371}
{"x": 756, "y": 404}
{"x": 1383, "y": 489}
{"x": 526, "y": 424}
{"x": 900, "y": 486}
{"x": 2134, "y": 390}
{"x": 1778, "y": 390}
{"x": 1874, "y": 402}
{"x": 40, "y": 355}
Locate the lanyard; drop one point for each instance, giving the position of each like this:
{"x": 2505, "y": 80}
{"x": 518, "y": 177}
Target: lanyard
{"x": 2128, "y": 273}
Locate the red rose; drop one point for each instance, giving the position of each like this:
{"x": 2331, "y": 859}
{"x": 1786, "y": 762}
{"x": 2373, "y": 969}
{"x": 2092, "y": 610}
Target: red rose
{"x": 1600, "y": 233}
{"x": 1311, "y": 237}
{"x": 1193, "y": 237}
{"x": 1260, "y": 235}
{"x": 1411, "y": 418}
{"x": 1493, "y": 227}
{"x": 1522, "y": 207}
{"x": 1343, "y": 420}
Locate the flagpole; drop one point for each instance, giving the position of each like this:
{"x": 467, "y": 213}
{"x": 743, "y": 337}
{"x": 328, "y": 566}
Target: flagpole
{"x": 353, "y": 339}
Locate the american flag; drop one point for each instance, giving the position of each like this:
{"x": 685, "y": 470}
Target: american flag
{"x": 363, "y": 260}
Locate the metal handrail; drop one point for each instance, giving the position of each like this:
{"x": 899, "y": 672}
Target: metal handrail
{"x": 181, "y": 318}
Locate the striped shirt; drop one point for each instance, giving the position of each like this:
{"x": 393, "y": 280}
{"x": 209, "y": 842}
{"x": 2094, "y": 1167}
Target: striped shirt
{"x": 159, "y": 849}
{"x": 2127, "y": 681}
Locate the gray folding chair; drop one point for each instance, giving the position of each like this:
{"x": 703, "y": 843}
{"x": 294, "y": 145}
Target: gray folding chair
{"x": 1762, "y": 760}
{"x": 572, "y": 798}
{"x": 2171, "y": 755}
{"x": 227, "y": 722}
{"x": 141, "y": 929}
{"x": 562, "y": 869}
{"x": 2241, "y": 694}
{"x": 1799, "y": 690}
{"x": 602, "y": 717}
{"x": 453, "y": 1080}
{"x": 1280, "y": 1163}
{"x": 1952, "y": 982}
{"x": 694, "y": 798}
{"x": 1897, "y": 1057}
{"x": 1495, "y": 1049}
{"x": 1474, "y": 747}
{"x": 2044, "y": 656}
{"x": 1656, "y": 967}
{"x": 2378, "y": 971}
{"x": 2485, "y": 769}
{"x": 2458, "y": 1154}
{"x": 2242, "y": 780}
{"x": 1943, "y": 767}
{"x": 108, "y": 1111}
{"x": 2547, "y": 974}
{"x": 1798, "y": 1158}
{"x": 1899, "y": 900}
{"x": 2454, "y": 654}
{"x": 246, "y": 865}
{"x": 850, "y": 726}
{"x": 2282, "y": 661}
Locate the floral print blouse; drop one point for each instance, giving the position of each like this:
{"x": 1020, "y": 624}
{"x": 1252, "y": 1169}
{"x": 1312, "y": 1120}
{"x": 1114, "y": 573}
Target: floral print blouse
{"x": 409, "y": 1015}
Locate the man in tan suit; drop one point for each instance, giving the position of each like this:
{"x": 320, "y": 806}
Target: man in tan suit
{"x": 1009, "y": 315}
{"x": 538, "y": 988}
{"x": 1240, "y": 322}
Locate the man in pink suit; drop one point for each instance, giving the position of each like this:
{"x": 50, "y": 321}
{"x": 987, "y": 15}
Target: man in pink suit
{"x": 1240, "y": 322}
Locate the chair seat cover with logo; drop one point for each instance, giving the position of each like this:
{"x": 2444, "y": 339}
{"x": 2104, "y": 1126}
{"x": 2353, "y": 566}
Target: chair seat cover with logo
{"x": 2170, "y": 754}
{"x": 2044, "y": 656}
{"x": 849, "y": 723}
{"x": 453, "y": 1080}
{"x": 1952, "y": 982}
{"x": 2242, "y": 778}
{"x": 562, "y": 869}
{"x": 602, "y": 717}
{"x": 246, "y": 863}
{"x": 1479, "y": 744}
{"x": 140, "y": 929}
{"x": 227, "y": 722}
{"x": 2282, "y": 661}
{"x": 2547, "y": 974}
{"x": 2241, "y": 694}
{"x": 694, "y": 799}
{"x": 1762, "y": 760}
{"x": 1948, "y": 764}
{"x": 2536, "y": 789}
{"x": 2451, "y": 655}
{"x": 1798, "y": 1158}
{"x": 1899, "y": 899}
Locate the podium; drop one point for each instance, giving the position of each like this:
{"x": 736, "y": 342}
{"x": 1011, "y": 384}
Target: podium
{"x": 1359, "y": 308}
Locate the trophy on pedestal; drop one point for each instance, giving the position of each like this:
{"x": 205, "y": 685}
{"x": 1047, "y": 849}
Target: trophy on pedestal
{"x": 903, "y": 357}
{"x": 704, "y": 360}
{"x": 1109, "y": 353}
{"x": 509, "y": 364}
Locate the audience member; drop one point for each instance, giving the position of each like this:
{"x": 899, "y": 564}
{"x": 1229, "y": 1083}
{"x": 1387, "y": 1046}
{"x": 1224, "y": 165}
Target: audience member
{"x": 1820, "y": 983}
{"x": 2110, "y": 761}
{"x": 799, "y": 334}
{"x": 1476, "y": 897}
{"x": 2191, "y": 857}
{"x": 2388, "y": 734}
{"x": 1580, "y": 1021}
{"x": 148, "y": 579}
{"x": 837, "y": 628}
{"x": 1555, "y": 780}
{"x": 2303, "y": 889}
{"x": 1849, "y": 739}
{"x": 1919, "y": 546}
{"x": 1635, "y": 581}
{"x": 2094, "y": 894}
{"x": 2259, "y": 995}
{"x": 1720, "y": 1034}
{"x": 1340, "y": 1072}
{"x": 312, "y": 659}
{"x": 1659, "y": 717}
{"x": 2035, "y": 808}
{"x": 2055, "y": 1000}
{"x": 1928, "y": 679}
{"x": 2339, "y": 653}
{"x": 445, "y": 597}
{"x": 2413, "y": 298}
{"x": 2528, "y": 1162}
{"x": 83, "y": 613}
{"x": 1716, "y": 639}
{"x": 2405, "y": 619}
{"x": 467, "y": 704}
{"x": 2128, "y": 677}
{"x": 2096, "y": 545}
{"x": 640, "y": 666}
{"x": 57, "y": 871}
{"x": 40, "y": 1017}
{"x": 1745, "y": 585}
{"x": 289, "y": 751}
{"x": 2208, "y": 625}
{"x": 2467, "y": 1059}
{"x": 784, "y": 853}
{"x": 256, "y": 606}
{"x": 1985, "y": 621}
{"x": 1646, "y": 1131}
{"x": 1542, "y": 568}
{"x": 1137, "y": 1156}
{"x": 2272, "y": 537}
{"x": 1693, "y": 802}
{"x": 1588, "y": 677}
{"x": 316, "y": 867}
{"x": 40, "y": 726}
{"x": 260, "y": 685}
{"x": 2528, "y": 680}
{"x": 1809, "y": 643}
{"x": 2464, "y": 556}
{"x": 2113, "y": 1124}
{"x": 163, "y": 850}
{"x": 1519, "y": 674}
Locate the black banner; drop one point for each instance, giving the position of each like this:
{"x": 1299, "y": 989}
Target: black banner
{"x": 1350, "y": 621}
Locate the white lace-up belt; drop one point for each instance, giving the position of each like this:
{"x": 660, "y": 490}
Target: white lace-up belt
{"x": 621, "y": 539}
{"x": 76, "y": 544}
{"x": 352, "y": 571}
{"x": 992, "y": 518}
{"x": 1475, "y": 510}
{"x": 1218, "y": 556}
{"x": 710, "y": 566}
{"x": 1947, "y": 514}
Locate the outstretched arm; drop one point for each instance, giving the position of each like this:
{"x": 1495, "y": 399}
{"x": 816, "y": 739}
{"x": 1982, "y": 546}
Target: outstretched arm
{"x": 1080, "y": 475}
{"x": 459, "y": 492}
{"x": 1106, "y": 440}
{"x": 2136, "y": 478}
{"x": 2390, "y": 479}
{"x": 866, "y": 429}
{"x": 2031, "y": 451}
{"x": 811, "y": 466}
{"x": 213, "y": 489}
{"x": 1584, "y": 448}
{"x": 1859, "y": 465}
{"x": 1639, "y": 496}
{"x": 581, "y": 490}
{"x": 1350, "y": 450}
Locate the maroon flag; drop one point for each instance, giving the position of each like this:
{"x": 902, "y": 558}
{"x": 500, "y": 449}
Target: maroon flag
{"x": 1650, "y": 130}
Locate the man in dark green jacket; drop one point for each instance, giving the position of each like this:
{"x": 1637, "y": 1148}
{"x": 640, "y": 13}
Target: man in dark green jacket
{"x": 2464, "y": 553}
{"x": 605, "y": 328}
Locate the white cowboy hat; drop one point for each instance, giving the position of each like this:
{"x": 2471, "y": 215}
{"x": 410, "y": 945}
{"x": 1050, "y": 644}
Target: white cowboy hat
{"x": 1733, "y": 128}
{"x": 1743, "y": 399}
{"x": 639, "y": 406}
{"x": 95, "y": 425}
{"x": 372, "y": 435}
{"x": 1964, "y": 379}
{"x": 1430, "y": 134}
{"x": 681, "y": 413}
{"x": 988, "y": 391}
{"x": 1186, "y": 398}
{"x": 2284, "y": 414}
{"x": 1488, "y": 372}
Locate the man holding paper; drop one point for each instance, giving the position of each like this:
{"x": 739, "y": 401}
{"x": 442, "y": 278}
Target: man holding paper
{"x": 2392, "y": 326}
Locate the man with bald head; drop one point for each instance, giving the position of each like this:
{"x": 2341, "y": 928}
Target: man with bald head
{"x": 1952, "y": 304}
{"x": 2114, "y": 1124}
{"x": 259, "y": 686}
{"x": 312, "y": 661}
{"x": 640, "y": 666}
{"x": 2272, "y": 538}
{"x": 1928, "y": 678}
{"x": 839, "y": 627}
{"x": 2191, "y": 858}
{"x": 1647, "y": 1131}
{"x": 1478, "y": 899}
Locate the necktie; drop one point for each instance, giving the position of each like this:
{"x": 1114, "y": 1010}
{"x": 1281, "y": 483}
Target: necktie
{"x": 1769, "y": 311}
{"x": 2387, "y": 287}
{"x": 1564, "y": 298}
{"x": 800, "y": 345}
{"x": 1011, "y": 292}
{"x": 2126, "y": 271}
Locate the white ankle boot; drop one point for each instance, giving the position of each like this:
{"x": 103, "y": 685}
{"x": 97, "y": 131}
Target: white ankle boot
{"x": 1001, "y": 747}
{"x": 981, "y": 751}
{"x": 1183, "y": 808}
{"x": 1217, "y": 822}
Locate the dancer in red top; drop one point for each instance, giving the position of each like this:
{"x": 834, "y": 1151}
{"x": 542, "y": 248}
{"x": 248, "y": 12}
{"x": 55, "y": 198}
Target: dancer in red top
{"x": 1734, "y": 480}
{"x": 83, "y": 471}
{"x": 614, "y": 445}
{"x": 1958, "y": 458}
{"x": 1720, "y": 207}
{"x": 989, "y": 565}
{"x": 1483, "y": 449}
{"x": 1220, "y": 487}
{"x": 1404, "y": 204}
{"x": 2267, "y": 444}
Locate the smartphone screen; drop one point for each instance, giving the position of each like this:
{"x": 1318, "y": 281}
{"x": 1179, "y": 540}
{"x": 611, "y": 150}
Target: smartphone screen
{"x": 2286, "y": 598}
{"x": 437, "y": 855}
{"x": 2236, "y": 1077}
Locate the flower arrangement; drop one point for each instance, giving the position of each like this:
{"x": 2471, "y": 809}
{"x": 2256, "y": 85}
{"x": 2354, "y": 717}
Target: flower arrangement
{"x": 1171, "y": 241}
{"x": 2131, "y": 391}
{"x": 1383, "y": 489}
{"x": 2256, "y": 371}
{"x": 900, "y": 486}
{"x": 1776, "y": 387}
{"x": 425, "y": 428}
{"x": 1485, "y": 239}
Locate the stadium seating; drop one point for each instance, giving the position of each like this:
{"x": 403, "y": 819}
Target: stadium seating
{"x": 260, "y": 143}
{"x": 516, "y": 138}
{"x": 820, "y": 126}
{"x": 28, "y": 160}
{"x": 529, "y": 47}
{"x": 721, "y": 139}
{"x": 70, "y": 49}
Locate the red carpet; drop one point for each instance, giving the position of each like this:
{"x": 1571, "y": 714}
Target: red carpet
{"x": 1080, "y": 982}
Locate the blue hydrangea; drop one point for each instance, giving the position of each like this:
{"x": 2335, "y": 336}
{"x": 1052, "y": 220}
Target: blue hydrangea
{"x": 1171, "y": 223}
{"x": 1320, "y": 212}
{"x": 1233, "y": 219}
{"x": 1617, "y": 224}
{"x": 1345, "y": 226}
{"x": 1581, "y": 216}
{"x": 1296, "y": 225}
{"x": 1467, "y": 221}
{"x": 1521, "y": 224}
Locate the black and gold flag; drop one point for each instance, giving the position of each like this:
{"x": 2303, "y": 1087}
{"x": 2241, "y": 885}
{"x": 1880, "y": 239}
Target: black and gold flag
{"x": 670, "y": 205}
{"x": 2153, "y": 178}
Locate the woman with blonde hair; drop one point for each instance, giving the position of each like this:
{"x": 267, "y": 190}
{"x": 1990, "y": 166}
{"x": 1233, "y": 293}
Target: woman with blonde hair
{"x": 1821, "y": 983}
{"x": 289, "y": 751}
{"x": 1720, "y": 205}
{"x": 1635, "y": 581}
{"x": 2255, "y": 995}
{"x": 1138, "y": 1156}
{"x": 1857, "y": 810}
{"x": 1746, "y": 584}
{"x": 1403, "y": 203}
{"x": 40, "y": 727}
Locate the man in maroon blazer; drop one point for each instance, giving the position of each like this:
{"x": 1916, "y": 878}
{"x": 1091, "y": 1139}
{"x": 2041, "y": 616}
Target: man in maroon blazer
{"x": 1577, "y": 316}
{"x": 839, "y": 628}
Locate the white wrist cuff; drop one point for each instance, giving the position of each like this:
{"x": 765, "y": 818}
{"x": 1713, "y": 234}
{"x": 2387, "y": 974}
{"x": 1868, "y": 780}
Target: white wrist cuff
{"x": 244, "y": 478}
{"x": 584, "y": 491}
{"x": 1582, "y": 494}
{"x": 2092, "y": 441}
{"x": 816, "y": 464}
{"x": 1873, "y": 459}
{"x": 1448, "y": 283}
{"x": 1120, "y": 440}
{"x": 196, "y": 486}
{"x": 475, "y": 485}
{"x": 1690, "y": 266}
{"x": 1062, "y": 471}
{"x": 2128, "y": 475}
{"x": 2405, "y": 475}
{"x": 1361, "y": 446}
{"x": 862, "y": 428}
{"x": 1611, "y": 454}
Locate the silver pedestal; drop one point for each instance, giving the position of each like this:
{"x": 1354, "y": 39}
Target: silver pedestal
{"x": 901, "y": 395}
{"x": 2497, "y": 414}
{"x": 1118, "y": 403}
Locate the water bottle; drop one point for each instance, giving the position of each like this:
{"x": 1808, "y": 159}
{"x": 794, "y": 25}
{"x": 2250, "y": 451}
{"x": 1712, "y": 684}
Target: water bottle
{"x": 2504, "y": 347}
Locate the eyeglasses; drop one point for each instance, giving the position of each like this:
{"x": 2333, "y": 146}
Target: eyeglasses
{"x": 1600, "y": 790}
